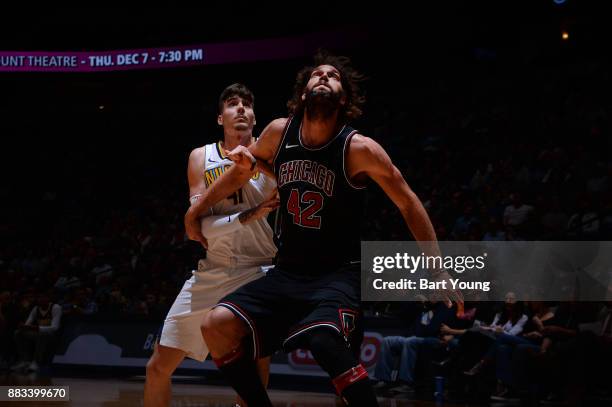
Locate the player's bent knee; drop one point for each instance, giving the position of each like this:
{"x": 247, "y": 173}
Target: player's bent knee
{"x": 156, "y": 369}
{"x": 212, "y": 323}
{"x": 325, "y": 343}
{"x": 164, "y": 361}
{"x": 330, "y": 350}
{"x": 221, "y": 321}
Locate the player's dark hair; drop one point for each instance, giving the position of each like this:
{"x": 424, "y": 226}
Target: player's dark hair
{"x": 236, "y": 89}
{"x": 349, "y": 78}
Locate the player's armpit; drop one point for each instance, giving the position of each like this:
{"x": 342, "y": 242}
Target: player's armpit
{"x": 266, "y": 168}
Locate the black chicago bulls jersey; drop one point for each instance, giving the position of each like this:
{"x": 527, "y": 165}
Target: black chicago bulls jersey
{"x": 321, "y": 210}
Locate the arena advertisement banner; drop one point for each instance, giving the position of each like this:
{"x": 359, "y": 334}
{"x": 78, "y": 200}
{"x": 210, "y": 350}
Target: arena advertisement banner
{"x": 123, "y": 345}
{"x": 487, "y": 271}
{"x": 172, "y": 57}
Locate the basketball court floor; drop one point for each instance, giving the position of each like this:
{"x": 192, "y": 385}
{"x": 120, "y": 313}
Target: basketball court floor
{"x": 124, "y": 392}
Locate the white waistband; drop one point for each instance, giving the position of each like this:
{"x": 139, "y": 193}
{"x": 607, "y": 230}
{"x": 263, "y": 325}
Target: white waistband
{"x": 235, "y": 261}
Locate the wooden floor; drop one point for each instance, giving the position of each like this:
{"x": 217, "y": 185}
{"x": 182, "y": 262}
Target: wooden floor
{"x": 119, "y": 393}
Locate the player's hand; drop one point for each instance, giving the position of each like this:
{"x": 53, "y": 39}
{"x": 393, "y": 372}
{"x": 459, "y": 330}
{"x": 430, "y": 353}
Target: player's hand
{"x": 193, "y": 227}
{"x": 448, "y": 295}
{"x": 444, "y": 329}
{"x": 261, "y": 210}
{"x": 242, "y": 157}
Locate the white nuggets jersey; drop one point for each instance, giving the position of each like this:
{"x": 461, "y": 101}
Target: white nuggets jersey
{"x": 252, "y": 243}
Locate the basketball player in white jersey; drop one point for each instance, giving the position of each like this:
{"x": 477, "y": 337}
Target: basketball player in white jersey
{"x": 239, "y": 241}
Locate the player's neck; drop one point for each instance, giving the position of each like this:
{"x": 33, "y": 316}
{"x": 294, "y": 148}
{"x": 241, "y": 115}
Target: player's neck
{"x": 233, "y": 140}
{"x": 319, "y": 131}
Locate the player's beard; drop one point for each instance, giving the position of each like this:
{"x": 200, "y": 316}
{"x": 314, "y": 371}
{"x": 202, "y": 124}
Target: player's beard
{"x": 321, "y": 105}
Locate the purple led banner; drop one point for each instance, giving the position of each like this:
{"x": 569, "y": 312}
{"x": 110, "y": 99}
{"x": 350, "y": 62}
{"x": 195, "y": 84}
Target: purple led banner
{"x": 154, "y": 58}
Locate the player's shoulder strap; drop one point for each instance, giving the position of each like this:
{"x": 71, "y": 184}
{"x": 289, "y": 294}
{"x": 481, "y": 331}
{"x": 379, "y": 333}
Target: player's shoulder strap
{"x": 213, "y": 155}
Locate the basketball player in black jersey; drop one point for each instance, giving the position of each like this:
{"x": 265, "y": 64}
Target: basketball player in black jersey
{"x": 310, "y": 300}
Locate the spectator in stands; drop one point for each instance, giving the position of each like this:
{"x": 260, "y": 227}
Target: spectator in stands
{"x": 425, "y": 335}
{"x": 464, "y": 222}
{"x": 452, "y": 331}
{"x": 554, "y": 220}
{"x": 35, "y": 338}
{"x": 68, "y": 279}
{"x": 541, "y": 315}
{"x": 585, "y": 222}
{"x": 101, "y": 268}
{"x": 506, "y": 325}
{"x": 117, "y": 301}
{"x": 529, "y": 360}
{"x": 80, "y": 303}
{"x": 494, "y": 231}
{"x": 517, "y": 213}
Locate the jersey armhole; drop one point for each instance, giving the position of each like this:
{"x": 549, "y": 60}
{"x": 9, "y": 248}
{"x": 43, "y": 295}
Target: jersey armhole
{"x": 347, "y": 140}
{"x": 208, "y": 152}
{"x": 282, "y": 141}
{"x": 206, "y": 148}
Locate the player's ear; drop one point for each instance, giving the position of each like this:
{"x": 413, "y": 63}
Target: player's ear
{"x": 303, "y": 96}
{"x": 343, "y": 100}
{"x": 220, "y": 120}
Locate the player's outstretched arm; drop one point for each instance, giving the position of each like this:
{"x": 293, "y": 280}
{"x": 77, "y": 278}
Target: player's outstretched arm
{"x": 366, "y": 158}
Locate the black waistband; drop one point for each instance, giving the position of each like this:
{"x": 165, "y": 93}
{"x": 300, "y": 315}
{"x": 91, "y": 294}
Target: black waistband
{"x": 316, "y": 266}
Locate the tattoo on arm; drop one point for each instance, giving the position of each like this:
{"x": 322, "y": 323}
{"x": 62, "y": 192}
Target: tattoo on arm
{"x": 246, "y": 216}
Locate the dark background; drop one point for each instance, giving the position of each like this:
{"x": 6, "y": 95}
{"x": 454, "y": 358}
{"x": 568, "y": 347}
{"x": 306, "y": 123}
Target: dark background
{"x": 472, "y": 101}
{"x": 475, "y": 101}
